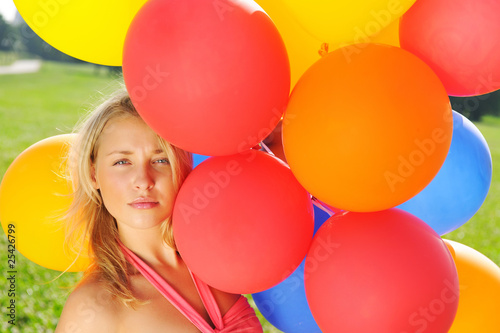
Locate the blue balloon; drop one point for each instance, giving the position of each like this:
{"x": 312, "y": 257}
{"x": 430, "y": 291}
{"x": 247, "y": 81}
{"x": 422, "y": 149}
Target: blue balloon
{"x": 285, "y": 305}
{"x": 197, "y": 159}
{"x": 461, "y": 185}
{"x": 320, "y": 216}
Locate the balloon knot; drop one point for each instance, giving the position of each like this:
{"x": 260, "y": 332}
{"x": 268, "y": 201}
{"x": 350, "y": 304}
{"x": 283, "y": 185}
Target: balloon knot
{"x": 323, "y": 50}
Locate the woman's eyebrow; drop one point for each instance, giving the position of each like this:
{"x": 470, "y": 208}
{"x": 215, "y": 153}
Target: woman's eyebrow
{"x": 127, "y": 152}
{"x": 122, "y": 152}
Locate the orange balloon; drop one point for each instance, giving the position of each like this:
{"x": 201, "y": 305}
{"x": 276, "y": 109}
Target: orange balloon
{"x": 479, "y": 302}
{"x": 367, "y": 127}
{"x": 34, "y": 197}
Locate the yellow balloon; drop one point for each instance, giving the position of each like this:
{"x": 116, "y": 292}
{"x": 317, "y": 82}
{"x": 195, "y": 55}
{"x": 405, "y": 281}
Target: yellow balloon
{"x": 345, "y": 22}
{"x": 303, "y": 49}
{"x": 389, "y": 35}
{"x": 479, "y": 301}
{"x": 90, "y": 30}
{"x": 33, "y": 198}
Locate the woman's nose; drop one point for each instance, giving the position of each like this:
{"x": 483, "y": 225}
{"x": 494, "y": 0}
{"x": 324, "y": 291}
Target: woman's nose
{"x": 144, "y": 179}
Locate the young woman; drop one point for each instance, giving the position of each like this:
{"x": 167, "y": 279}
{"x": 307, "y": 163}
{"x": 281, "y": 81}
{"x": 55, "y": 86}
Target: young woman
{"x": 126, "y": 180}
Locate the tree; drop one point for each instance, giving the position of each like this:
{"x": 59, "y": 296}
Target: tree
{"x": 7, "y": 35}
{"x": 34, "y": 45}
{"x": 474, "y": 107}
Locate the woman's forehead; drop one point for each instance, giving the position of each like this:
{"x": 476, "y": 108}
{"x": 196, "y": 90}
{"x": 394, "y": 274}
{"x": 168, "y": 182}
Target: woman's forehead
{"x": 127, "y": 133}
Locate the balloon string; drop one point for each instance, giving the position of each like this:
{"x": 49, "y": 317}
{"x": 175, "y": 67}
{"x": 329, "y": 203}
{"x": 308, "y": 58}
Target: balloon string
{"x": 266, "y": 148}
{"x": 319, "y": 204}
{"x": 315, "y": 201}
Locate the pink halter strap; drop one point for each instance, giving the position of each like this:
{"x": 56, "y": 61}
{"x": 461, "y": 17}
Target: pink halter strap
{"x": 239, "y": 318}
{"x": 178, "y": 301}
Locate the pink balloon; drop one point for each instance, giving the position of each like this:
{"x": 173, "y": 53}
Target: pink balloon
{"x": 211, "y": 77}
{"x": 380, "y": 272}
{"x": 459, "y": 40}
{"x": 243, "y": 223}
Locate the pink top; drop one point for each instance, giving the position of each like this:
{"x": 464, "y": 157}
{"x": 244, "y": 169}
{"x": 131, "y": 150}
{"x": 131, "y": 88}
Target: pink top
{"x": 240, "y": 317}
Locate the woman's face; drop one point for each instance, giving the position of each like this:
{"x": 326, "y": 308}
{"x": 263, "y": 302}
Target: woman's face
{"x": 133, "y": 174}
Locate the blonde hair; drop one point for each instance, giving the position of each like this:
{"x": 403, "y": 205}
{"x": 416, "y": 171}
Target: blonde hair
{"x": 88, "y": 220}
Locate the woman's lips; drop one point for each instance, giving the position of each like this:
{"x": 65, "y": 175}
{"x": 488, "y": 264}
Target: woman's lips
{"x": 144, "y": 203}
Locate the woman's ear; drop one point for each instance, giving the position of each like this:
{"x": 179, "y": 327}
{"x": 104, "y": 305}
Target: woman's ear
{"x": 93, "y": 177}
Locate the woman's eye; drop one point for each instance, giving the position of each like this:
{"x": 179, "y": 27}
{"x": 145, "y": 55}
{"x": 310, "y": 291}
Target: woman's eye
{"x": 121, "y": 162}
{"x": 162, "y": 161}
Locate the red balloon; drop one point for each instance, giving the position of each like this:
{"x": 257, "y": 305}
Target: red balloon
{"x": 243, "y": 223}
{"x": 211, "y": 77}
{"x": 459, "y": 40}
{"x": 380, "y": 272}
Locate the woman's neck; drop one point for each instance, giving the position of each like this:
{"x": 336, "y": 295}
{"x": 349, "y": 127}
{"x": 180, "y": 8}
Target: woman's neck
{"x": 149, "y": 245}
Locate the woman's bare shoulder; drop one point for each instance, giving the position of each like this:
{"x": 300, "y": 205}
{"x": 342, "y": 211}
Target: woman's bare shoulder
{"x": 89, "y": 308}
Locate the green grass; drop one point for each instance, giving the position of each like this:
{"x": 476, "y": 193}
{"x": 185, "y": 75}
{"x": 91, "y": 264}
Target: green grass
{"x": 39, "y": 105}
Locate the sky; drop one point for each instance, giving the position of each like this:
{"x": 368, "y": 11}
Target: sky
{"x": 8, "y": 9}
